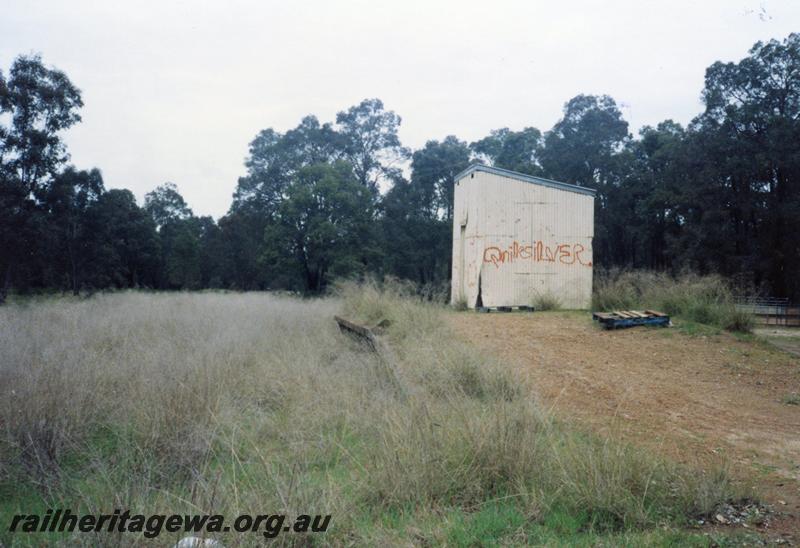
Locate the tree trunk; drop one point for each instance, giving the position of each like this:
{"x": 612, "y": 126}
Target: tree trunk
{"x": 75, "y": 285}
{"x": 6, "y": 284}
{"x": 74, "y": 264}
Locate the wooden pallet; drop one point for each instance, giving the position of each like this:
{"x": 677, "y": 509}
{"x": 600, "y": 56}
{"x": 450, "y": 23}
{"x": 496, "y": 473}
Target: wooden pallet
{"x": 630, "y": 318}
{"x": 520, "y": 308}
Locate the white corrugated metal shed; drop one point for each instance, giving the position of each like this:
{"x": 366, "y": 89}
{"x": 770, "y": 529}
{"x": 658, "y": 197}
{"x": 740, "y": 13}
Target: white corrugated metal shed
{"x": 516, "y": 237}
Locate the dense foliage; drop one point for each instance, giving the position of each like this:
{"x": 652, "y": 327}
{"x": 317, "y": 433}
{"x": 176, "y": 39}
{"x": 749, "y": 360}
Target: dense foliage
{"x": 721, "y": 195}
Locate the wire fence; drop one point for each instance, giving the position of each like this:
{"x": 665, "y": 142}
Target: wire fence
{"x": 771, "y": 310}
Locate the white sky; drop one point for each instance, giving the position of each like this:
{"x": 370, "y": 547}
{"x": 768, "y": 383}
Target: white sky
{"x": 175, "y": 90}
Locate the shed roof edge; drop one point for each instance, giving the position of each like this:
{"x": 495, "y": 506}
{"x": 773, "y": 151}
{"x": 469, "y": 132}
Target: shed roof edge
{"x": 526, "y": 178}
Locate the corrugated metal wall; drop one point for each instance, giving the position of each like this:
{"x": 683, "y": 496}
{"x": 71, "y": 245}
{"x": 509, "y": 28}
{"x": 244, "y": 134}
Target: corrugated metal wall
{"x": 514, "y": 239}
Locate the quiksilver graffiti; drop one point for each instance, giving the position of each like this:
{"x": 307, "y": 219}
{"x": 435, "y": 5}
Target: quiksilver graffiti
{"x": 538, "y": 251}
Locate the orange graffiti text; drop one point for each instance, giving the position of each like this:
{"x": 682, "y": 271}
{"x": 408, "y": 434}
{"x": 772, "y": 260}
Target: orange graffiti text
{"x": 538, "y": 251}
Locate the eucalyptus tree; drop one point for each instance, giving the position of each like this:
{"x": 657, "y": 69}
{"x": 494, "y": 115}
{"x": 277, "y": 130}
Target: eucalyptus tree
{"x": 587, "y": 147}
{"x": 36, "y": 104}
{"x": 323, "y": 228}
{"x": 165, "y": 204}
{"x": 370, "y": 141}
{"x": 514, "y": 150}
{"x": 751, "y": 134}
{"x": 67, "y": 202}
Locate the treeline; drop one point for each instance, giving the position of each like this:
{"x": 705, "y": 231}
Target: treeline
{"x": 721, "y": 195}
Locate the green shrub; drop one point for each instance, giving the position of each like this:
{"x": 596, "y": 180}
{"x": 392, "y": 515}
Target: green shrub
{"x": 791, "y": 399}
{"x": 738, "y": 320}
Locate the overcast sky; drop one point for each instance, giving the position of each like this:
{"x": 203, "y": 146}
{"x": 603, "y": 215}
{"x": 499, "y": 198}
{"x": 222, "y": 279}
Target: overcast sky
{"x": 175, "y": 90}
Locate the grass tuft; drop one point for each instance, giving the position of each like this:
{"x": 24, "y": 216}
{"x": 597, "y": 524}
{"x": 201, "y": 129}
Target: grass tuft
{"x": 546, "y": 300}
{"x": 791, "y": 399}
{"x": 461, "y": 304}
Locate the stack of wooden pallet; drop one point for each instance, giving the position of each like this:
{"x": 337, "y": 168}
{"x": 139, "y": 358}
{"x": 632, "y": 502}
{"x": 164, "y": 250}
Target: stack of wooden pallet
{"x": 630, "y": 318}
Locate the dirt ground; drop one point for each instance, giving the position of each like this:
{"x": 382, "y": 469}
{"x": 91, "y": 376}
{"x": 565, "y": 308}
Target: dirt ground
{"x": 701, "y": 399}
{"x": 785, "y": 338}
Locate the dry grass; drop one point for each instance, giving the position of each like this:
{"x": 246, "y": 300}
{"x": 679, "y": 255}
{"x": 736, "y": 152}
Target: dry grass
{"x": 241, "y": 403}
{"x": 546, "y": 300}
